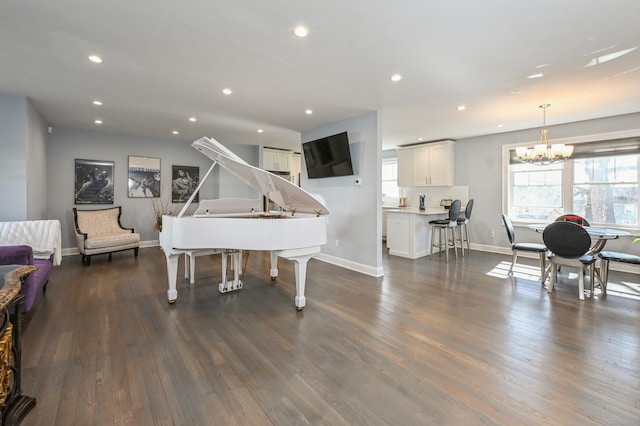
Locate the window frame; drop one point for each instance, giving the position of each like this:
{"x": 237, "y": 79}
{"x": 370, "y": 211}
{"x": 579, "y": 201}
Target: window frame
{"x": 386, "y": 199}
{"x": 567, "y": 173}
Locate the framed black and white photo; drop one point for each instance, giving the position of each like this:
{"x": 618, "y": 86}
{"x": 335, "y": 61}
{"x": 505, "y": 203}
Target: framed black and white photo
{"x": 144, "y": 177}
{"x": 184, "y": 180}
{"x": 93, "y": 182}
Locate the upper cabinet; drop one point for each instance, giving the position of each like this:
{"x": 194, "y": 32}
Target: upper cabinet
{"x": 429, "y": 164}
{"x": 275, "y": 160}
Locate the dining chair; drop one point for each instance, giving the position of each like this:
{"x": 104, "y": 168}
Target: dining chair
{"x": 568, "y": 245}
{"x": 573, "y": 218}
{"x": 442, "y": 226}
{"x": 613, "y": 256}
{"x": 516, "y": 247}
{"x": 464, "y": 230}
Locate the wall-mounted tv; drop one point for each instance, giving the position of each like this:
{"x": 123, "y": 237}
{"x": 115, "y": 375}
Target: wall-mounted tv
{"x": 328, "y": 157}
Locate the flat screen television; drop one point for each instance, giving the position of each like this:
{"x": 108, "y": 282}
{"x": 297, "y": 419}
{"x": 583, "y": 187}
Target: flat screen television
{"x": 328, "y": 157}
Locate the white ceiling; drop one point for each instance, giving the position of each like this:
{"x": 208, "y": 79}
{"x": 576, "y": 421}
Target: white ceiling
{"x": 168, "y": 60}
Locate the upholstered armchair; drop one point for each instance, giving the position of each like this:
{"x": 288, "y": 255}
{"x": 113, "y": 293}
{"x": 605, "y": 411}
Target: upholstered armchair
{"x": 100, "y": 232}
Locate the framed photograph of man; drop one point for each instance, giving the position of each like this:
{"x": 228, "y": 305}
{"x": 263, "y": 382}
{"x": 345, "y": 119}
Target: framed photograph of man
{"x": 184, "y": 180}
{"x": 144, "y": 177}
{"x": 93, "y": 182}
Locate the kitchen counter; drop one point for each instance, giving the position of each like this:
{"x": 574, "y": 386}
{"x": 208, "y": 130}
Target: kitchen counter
{"x": 409, "y": 232}
{"x": 415, "y": 210}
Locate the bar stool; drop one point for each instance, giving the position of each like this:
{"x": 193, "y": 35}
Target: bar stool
{"x": 443, "y": 226}
{"x": 464, "y": 230}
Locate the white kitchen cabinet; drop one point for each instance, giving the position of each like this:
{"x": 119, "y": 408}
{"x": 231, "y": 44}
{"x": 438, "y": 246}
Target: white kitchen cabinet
{"x": 275, "y": 160}
{"x": 409, "y": 234}
{"x": 430, "y": 164}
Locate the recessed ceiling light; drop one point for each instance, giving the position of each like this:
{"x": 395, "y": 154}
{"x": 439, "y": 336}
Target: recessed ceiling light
{"x": 461, "y": 108}
{"x": 308, "y": 111}
{"x": 538, "y": 75}
{"x": 175, "y": 132}
{"x": 193, "y": 119}
{"x": 516, "y": 92}
{"x": 95, "y": 58}
{"x": 420, "y": 139}
{"x": 300, "y": 31}
{"x": 500, "y": 126}
{"x": 227, "y": 91}
{"x": 396, "y": 77}
{"x": 97, "y": 121}
{"x": 98, "y": 103}
{"x": 260, "y": 130}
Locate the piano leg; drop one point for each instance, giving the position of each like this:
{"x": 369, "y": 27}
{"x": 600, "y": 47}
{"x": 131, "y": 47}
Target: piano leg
{"x": 172, "y": 273}
{"x": 301, "y": 278}
{"x": 273, "y": 272}
{"x": 300, "y": 257}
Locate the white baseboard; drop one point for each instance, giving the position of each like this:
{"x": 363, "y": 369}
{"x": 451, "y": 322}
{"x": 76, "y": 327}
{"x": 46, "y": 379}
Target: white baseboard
{"x": 354, "y": 266}
{"x": 379, "y": 272}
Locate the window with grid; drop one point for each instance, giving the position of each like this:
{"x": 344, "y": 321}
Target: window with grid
{"x": 390, "y": 190}
{"x": 605, "y": 189}
{"x": 599, "y": 182}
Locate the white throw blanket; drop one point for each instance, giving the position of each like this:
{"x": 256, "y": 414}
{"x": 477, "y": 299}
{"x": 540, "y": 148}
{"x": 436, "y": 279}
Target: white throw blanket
{"x": 44, "y": 237}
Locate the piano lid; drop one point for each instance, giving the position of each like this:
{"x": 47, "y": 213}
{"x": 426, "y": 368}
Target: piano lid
{"x": 282, "y": 192}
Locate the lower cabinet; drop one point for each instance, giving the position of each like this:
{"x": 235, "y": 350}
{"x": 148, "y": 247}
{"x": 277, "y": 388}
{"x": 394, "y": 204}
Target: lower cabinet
{"x": 408, "y": 234}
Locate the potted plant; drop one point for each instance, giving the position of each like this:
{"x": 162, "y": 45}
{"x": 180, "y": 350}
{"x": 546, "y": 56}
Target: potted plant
{"x": 162, "y": 206}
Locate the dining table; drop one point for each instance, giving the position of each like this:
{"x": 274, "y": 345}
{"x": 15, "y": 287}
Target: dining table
{"x": 599, "y": 237}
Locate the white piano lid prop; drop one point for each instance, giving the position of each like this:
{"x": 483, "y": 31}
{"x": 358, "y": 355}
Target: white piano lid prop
{"x": 290, "y": 197}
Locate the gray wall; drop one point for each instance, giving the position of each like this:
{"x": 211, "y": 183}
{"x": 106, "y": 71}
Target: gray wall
{"x": 36, "y": 164}
{"x": 23, "y": 160}
{"x": 478, "y": 164}
{"x": 30, "y": 158}
{"x": 67, "y": 145}
{"x": 355, "y": 213}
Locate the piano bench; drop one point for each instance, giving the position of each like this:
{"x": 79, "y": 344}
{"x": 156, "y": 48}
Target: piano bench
{"x": 190, "y": 261}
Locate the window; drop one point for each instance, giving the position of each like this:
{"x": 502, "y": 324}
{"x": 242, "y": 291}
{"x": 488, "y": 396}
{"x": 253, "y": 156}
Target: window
{"x": 536, "y": 192}
{"x": 390, "y": 190}
{"x": 599, "y": 182}
{"x": 605, "y": 190}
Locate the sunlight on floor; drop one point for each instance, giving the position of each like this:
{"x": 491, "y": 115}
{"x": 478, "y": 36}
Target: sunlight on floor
{"x": 624, "y": 289}
{"x": 528, "y": 272}
{"x": 501, "y": 270}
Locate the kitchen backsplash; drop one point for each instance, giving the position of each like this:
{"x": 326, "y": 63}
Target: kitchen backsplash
{"x": 433, "y": 195}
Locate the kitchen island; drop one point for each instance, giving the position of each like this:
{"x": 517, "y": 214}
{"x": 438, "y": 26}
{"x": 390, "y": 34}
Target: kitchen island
{"x": 409, "y": 232}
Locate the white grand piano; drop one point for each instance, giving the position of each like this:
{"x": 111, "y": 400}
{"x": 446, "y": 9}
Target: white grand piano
{"x": 233, "y": 225}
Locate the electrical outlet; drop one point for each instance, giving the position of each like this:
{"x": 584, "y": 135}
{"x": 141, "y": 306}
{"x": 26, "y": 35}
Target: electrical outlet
{"x": 492, "y": 234}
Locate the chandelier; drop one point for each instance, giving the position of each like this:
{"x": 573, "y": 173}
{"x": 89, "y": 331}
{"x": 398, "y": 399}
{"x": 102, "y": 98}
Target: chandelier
{"x": 544, "y": 152}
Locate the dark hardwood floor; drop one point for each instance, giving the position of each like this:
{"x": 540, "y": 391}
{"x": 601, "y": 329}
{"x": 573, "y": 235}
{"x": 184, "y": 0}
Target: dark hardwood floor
{"x": 429, "y": 344}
